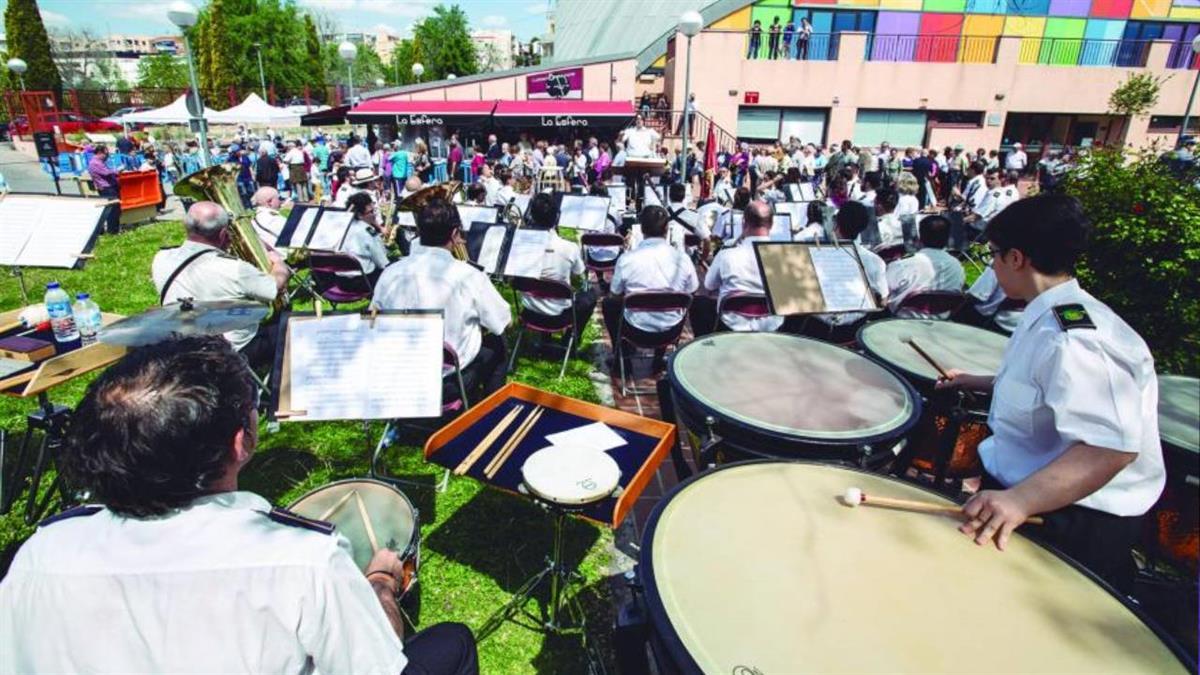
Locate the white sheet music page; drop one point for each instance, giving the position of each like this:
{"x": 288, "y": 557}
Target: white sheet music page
{"x": 331, "y": 230}
{"x": 526, "y": 252}
{"x": 303, "y": 227}
{"x": 18, "y": 219}
{"x": 617, "y": 197}
{"x": 650, "y": 197}
{"x": 582, "y": 212}
{"x": 522, "y": 203}
{"x": 781, "y": 227}
{"x": 841, "y": 278}
{"x": 489, "y": 251}
{"x": 46, "y": 231}
{"x": 342, "y": 368}
{"x": 475, "y": 214}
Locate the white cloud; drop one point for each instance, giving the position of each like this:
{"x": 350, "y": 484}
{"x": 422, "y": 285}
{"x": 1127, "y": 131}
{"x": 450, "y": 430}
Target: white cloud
{"x": 494, "y": 21}
{"x": 538, "y": 7}
{"x": 54, "y": 19}
{"x": 384, "y": 28}
{"x": 404, "y": 8}
{"x": 330, "y": 5}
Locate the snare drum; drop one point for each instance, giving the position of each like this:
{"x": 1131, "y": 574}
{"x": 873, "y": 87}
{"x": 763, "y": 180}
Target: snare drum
{"x": 784, "y": 578}
{"x": 782, "y": 396}
{"x": 570, "y": 476}
{"x": 1176, "y": 517}
{"x": 364, "y": 511}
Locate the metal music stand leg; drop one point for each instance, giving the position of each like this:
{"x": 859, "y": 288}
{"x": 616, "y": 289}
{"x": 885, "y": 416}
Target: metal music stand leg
{"x": 376, "y": 451}
{"x": 51, "y": 420}
{"x": 20, "y": 275}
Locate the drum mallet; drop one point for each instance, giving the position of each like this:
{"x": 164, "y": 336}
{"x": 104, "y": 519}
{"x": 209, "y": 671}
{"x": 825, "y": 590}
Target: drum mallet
{"x": 936, "y": 366}
{"x": 855, "y": 496}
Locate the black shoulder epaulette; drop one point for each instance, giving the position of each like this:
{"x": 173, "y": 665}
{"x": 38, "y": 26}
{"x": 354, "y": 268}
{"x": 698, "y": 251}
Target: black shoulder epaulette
{"x": 1073, "y": 316}
{"x": 286, "y": 517}
{"x": 73, "y": 512}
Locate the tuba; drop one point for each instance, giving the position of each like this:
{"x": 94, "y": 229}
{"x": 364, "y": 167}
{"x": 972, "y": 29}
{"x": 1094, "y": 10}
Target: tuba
{"x": 219, "y": 184}
{"x": 417, "y": 201}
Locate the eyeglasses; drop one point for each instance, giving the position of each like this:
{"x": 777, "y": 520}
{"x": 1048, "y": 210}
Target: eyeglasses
{"x": 995, "y": 253}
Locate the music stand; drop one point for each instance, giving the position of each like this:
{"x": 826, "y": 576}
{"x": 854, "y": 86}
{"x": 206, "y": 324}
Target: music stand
{"x": 48, "y": 231}
{"x": 635, "y": 170}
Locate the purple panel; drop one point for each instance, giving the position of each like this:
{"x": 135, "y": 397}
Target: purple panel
{"x": 1069, "y": 7}
{"x": 1172, "y": 31}
{"x": 898, "y": 23}
{"x": 895, "y": 36}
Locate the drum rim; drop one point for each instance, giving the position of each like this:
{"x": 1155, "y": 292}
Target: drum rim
{"x": 1175, "y": 442}
{"x": 413, "y": 541}
{"x": 879, "y": 358}
{"x": 660, "y": 621}
{"x": 916, "y": 406}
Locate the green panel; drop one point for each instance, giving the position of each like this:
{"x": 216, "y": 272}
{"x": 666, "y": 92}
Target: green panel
{"x": 758, "y": 123}
{"x": 773, "y": 3}
{"x": 900, "y": 128}
{"x": 1062, "y": 42}
{"x": 766, "y": 15}
{"x": 1065, "y": 28}
{"x": 945, "y": 5}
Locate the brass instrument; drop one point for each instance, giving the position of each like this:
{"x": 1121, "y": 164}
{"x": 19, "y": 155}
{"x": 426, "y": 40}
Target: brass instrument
{"x": 446, "y": 191}
{"x": 219, "y": 184}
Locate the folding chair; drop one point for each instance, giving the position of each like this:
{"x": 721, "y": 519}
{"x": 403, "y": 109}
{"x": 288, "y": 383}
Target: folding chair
{"x": 334, "y": 287}
{"x": 529, "y": 319}
{"x": 600, "y": 267}
{"x": 650, "y": 301}
{"x": 931, "y": 304}
{"x": 891, "y": 252}
{"x": 746, "y": 305}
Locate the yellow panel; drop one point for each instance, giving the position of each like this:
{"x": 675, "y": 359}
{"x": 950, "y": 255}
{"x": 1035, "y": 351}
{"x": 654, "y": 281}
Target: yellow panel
{"x": 900, "y": 4}
{"x": 1186, "y": 13}
{"x": 1150, "y": 9}
{"x": 660, "y": 62}
{"x": 1025, "y": 26}
{"x": 1031, "y": 47}
{"x": 983, "y": 25}
{"x": 858, "y": 3}
{"x": 739, "y": 20}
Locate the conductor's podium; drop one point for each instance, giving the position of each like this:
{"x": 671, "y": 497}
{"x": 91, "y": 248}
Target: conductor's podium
{"x": 140, "y": 192}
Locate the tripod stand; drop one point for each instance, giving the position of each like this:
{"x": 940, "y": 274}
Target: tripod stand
{"x": 51, "y": 420}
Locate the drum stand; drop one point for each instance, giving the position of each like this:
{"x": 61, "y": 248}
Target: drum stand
{"x": 565, "y": 614}
{"x": 51, "y": 420}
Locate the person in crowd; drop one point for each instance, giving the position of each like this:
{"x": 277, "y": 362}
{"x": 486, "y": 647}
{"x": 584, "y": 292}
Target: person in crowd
{"x": 400, "y": 167}
{"x": 561, "y": 262}
{"x": 789, "y": 36}
{"x": 891, "y": 231}
{"x": 755, "y": 40}
{"x": 159, "y": 442}
{"x": 295, "y": 160}
{"x": 104, "y": 179}
{"x": 494, "y": 150}
{"x": 1075, "y": 413}
{"x": 339, "y": 182}
{"x": 1016, "y": 159}
{"x": 268, "y": 222}
{"x": 266, "y": 170}
{"x": 923, "y": 169}
{"x": 814, "y": 227}
{"x": 364, "y": 180}
{"x": 907, "y": 186}
{"x": 929, "y": 269}
{"x": 773, "y": 39}
{"x": 976, "y": 187}
{"x": 431, "y": 278}
{"x": 803, "y": 37}
{"x": 202, "y": 270}
{"x": 871, "y": 183}
{"x": 1001, "y": 191}
{"x": 357, "y": 155}
{"x": 422, "y": 165}
{"x": 365, "y": 239}
{"x": 454, "y": 160}
{"x": 735, "y": 270}
{"x": 683, "y": 220}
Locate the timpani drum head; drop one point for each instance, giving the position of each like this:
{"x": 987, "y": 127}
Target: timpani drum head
{"x": 792, "y": 388}
{"x": 1179, "y": 411}
{"x": 571, "y": 476}
{"x": 758, "y": 567}
{"x": 952, "y": 345}
{"x": 349, "y": 504}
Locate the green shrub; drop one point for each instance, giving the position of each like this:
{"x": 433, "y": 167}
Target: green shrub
{"x": 1144, "y": 256}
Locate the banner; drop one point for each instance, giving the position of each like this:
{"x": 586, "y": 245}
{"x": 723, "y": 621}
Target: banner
{"x": 560, "y": 84}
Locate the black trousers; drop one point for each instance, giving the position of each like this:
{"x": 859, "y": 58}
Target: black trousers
{"x": 444, "y": 648}
{"x": 1101, "y": 542}
{"x": 489, "y": 368}
{"x": 113, "y": 220}
{"x": 260, "y": 352}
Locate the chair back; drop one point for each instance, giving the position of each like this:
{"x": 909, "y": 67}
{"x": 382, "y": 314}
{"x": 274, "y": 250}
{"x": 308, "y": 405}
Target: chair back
{"x": 327, "y": 269}
{"x": 601, "y": 239}
{"x": 891, "y": 252}
{"x": 749, "y": 305}
{"x": 654, "y": 301}
{"x": 931, "y": 304}
{"x": 543, "y": 289}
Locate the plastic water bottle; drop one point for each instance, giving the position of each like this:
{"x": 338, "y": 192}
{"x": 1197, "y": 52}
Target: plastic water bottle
{"x": 87, "y": 318}
{"x": 58, "y": 306}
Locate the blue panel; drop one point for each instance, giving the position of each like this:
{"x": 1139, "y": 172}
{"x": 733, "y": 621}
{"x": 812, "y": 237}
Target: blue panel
{"x": 1102, "y": 44}
{"x": 986, "y": 6}
{"x": 845, "y": 21}
{"x": 818, "y": 48}
{"x": 1028, "y": 7}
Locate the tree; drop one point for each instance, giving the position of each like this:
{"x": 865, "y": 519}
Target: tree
{"x": 162, "y": 71}
{"x": 27, "y": 40}
{"x": 313, "y": 65}
{"x": 444, "y": 43}
{"x": 84, "y": 60}
{"x": 403, "y": 57}
{"x": 367, "y": 66}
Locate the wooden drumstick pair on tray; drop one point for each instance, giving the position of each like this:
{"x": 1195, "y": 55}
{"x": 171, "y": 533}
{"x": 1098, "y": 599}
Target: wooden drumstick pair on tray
{"x": 855, "y": 496}
{"x": 509, "y": 446}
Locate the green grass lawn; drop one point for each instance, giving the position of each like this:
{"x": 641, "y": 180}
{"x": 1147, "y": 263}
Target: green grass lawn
{"x": 477, "y": 545}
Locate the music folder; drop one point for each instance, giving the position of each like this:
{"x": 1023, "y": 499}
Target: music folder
{"x": 583, "y": 212}
{"x": 507, "y": 250}
{"x": 316, "y": 227}
{"x": 803, "y": 278}
{"x": 49, "y": 231}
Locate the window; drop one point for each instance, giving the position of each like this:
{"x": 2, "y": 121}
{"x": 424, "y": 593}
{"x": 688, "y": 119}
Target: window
{"x": 956, "y": 119}
{"x": 1170, "y": 124}
{"x": 780, "y": 124}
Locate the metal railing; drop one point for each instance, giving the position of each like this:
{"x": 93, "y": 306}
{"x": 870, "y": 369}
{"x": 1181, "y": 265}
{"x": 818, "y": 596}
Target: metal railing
{"x": 932, "y": 48}
{"x": 669, "y": 123}
{"x": 1182, "y": 57}
{"x": 767, "y": 47}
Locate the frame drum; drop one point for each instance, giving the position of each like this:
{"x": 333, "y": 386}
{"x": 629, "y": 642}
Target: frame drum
{"x": 392, "y": 519}
{"x": 571, "y": 476}
{"x": 776, "y": 395}
{"x": 784, "y": 578}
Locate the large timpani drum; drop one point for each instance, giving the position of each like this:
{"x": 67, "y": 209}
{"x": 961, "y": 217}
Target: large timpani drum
{"x": 370, "y": 514}
{"x": 776, "y": 395}
{"x": 1176, "y": 516}
{"x": 759, "y": 568}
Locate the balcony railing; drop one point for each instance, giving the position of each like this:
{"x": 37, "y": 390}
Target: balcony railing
{"x": 818, "y": 47}
{"x": 932, "y": 48}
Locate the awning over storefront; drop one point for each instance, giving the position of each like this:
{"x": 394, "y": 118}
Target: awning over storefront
{"x": 422, "y": 113}
{"x": 572, "y": 117}
{"x": 327, "y": 117}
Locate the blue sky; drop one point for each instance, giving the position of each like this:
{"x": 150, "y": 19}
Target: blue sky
{"x": 526, "y": 18}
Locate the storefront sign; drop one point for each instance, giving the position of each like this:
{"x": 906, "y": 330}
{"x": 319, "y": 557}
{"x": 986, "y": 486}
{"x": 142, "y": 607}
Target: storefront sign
{"x": 750, "y": 97}
{"x": 418, "y": 120}
{"x": 563, "y": 121}
{"x": 561, "y": 84}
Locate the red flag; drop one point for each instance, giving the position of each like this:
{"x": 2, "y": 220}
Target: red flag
{"x": 710, "y": 163}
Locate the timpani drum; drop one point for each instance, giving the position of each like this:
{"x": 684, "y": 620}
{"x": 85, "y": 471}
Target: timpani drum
{"x": 1176, "y": 516}
{"x": 784, "y": 578}
{"x": 370, "y": 514}
{"x": 953, "y": 346}
{"x": 774, "y": 395}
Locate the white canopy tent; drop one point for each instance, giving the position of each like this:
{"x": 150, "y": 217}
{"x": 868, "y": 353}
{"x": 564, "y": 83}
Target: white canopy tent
{"x": 175, "y": 113}
{"x": 255, "y": 111}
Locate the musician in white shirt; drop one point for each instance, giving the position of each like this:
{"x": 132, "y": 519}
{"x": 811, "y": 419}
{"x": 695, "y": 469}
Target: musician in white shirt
{"x": 506, "y": 192}
{"x": 431, "y": 278}
{"x": 364, "y": 180}
{"x": 268, "y": 222}
{"x": 851, "y": 220}
{"x": 640, "y": 140}
{"x": 929, "y": 269}
{"x": 561, "y": 261}
{"x": 357, "y": 155}
{"x": 891, "y": 231}
{"x": 364, "y": 240}
{"x": 735, "y": 270}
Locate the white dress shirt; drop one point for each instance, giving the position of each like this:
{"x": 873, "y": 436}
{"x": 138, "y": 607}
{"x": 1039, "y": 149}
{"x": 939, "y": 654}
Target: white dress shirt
{"x": 907, "y": 206}
{"x": 1057, "y": 387}
{"x": 211, "y": 277}
{"x": 561, "y": 260}
{"x": 364, "y": 243}
{"x": 876, "y": 272}
{"x": 996, "y": 200}
{"x": 929, "y": 269}
{"x": 1016, "y": 161}
{"x": 989, "y": 296}
{"x": 431, "y": 278}
{"x": 735, "y": 270}
{"x": 640, "y": 143}
{"x": 358, "y": 157}
{"x": 268, "y": 223}
{"x": 811, "y": 233}
{"x": 217, "y": 587}
{"x": 654, "y": 265}
{"x": 294, "y": 156}
{"x": 974, "y": 192}
{"x": 347, "y": 191}
{"x": 891, "y": 231}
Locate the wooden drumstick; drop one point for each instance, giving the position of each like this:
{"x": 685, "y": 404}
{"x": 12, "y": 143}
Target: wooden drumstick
{"x": 340, "y": 503}
{"x": 855, "y": 496}
{"x": 483, "y": 446}
{"x": 362, "y": 512}
{"x": 516, "y": 439}
{"x": 936, "y": 366}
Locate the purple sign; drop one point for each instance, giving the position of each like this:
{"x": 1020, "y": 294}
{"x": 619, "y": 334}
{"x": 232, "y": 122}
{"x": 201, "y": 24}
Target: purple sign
{"x": 561, "y": 84}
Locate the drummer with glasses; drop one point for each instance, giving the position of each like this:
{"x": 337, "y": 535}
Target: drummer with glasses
{"x": 174, "y": 569}
{"x": 1074, "y": 405}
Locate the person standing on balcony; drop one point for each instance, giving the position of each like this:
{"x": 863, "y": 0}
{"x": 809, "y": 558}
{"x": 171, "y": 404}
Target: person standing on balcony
{"x": 802, "y": 38}
{"x": 755, "y": 40}
{"x": 789, "y": 34}
{"x": 773, "y": 39}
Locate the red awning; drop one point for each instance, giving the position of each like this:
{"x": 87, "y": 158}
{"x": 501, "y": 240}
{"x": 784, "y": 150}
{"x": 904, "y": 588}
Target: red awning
{"x": 564, "y": 116}
{"x": 421, "y": 113}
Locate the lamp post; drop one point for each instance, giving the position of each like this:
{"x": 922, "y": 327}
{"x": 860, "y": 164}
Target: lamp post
{"x": 418, "y": 70}
{"x": 262, "y": 79}
{"x": 18, "y": 67}
{"x": 379, "y": 83}
{"x": 690, "y": 25}
{"x": 183, "y": 14}
{"x": 348, "y": 51}
{"x": 451, "y": 76}
{"x": 1187, "y": 112}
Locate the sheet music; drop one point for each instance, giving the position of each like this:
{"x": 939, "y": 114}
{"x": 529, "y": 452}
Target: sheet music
{"x": 331, "y": 230}
{"x": 793, "y": 191}
{"x": 493, "y": 245}
{"x": 526, "y": 252}
{"x": 343, "y": 369}
{"x": 650, "y": 197}
{"x": 406, "y": 219}
{"x": 18, "y": 219}
{"x": 476, "y": 214}
{"x": 781, "y": 227}
{"x": 46, "y": 231}
{"x": 733, "y": 227}
{"x": 618, "y": 197}
{"x": 807, "y": 192}
{"x": 583, "y": 212}
{"x": 840, "y": 276}
{"x": 304, "y": 227}
{"x": 522, "y": 203}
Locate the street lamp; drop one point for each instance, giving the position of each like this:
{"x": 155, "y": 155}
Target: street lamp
{"x": 451, "y": 76}
{"x": 379, "y": 83}
{"x": 690, "y": 25}
{"x": 183, "y": 14}
{"x": 418, "y": 70}
{"x": 19, "y": 67}
{"x": 262, "y": 79}
{"x": 348, "y": 51}
{"x": 1187, "y": 112}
